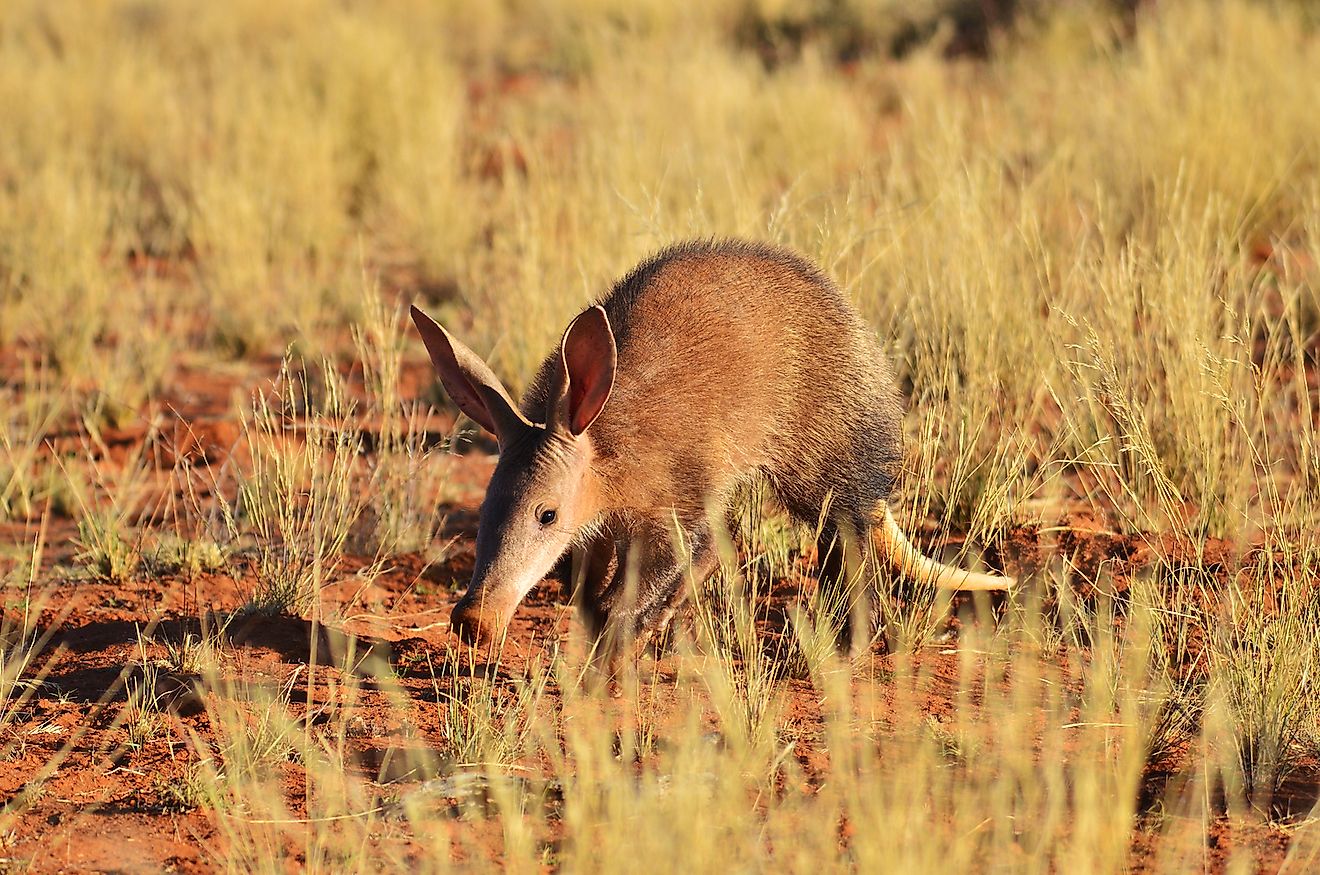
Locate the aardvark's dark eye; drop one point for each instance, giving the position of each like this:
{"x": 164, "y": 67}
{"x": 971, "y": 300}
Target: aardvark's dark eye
{"x": 547, "y": 517}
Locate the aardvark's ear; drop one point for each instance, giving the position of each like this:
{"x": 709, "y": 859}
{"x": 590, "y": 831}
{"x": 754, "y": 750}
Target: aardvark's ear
{"x": 588, "y": 359}
{"x": 469, "y": 381}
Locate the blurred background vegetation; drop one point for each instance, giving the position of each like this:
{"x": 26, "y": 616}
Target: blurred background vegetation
{"x": 1071, "y": 222}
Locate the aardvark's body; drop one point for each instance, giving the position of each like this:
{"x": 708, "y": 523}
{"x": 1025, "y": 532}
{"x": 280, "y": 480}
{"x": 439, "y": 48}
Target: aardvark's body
{"x": 710, "y": 364}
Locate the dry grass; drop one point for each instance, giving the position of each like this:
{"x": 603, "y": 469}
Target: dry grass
{"x": 299, "y": 498}
{"x": 1093, "y": 257}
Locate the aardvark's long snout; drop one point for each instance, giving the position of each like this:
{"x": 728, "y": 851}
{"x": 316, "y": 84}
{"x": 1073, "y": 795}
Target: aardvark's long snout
{"x": 482, "y": 615}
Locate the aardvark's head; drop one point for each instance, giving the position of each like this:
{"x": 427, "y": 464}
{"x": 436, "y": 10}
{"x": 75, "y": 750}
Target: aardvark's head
{"x": 543, "y": 491}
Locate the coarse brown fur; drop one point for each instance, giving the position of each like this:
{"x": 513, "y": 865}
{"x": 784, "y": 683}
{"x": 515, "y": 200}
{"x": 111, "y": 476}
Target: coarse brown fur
{"x": 734, "y": 361}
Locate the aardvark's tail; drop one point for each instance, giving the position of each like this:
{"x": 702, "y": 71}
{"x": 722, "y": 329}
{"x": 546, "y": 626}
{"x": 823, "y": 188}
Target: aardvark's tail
{"x": 894, "y": 547}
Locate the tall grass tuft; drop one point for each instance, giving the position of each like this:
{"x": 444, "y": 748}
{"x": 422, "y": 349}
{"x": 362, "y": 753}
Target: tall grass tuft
{"x": 299, "y": 497}
{"x": 406, "y": 471}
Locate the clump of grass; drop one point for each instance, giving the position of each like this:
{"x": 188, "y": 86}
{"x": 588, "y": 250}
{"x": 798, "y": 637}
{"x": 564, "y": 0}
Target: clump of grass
{"x": 747, "y": 666}
{"x": 28, "y": 416}
{"x": 259, "y": 736}
{"x": 406, "y": 475}
{"x": 241, "y": 764}
{"x": 194, "y": 653}
{"x": 105, "y": 549}
{"x": 1264, "y": 665}
{"x": 1136, "y": 467}
{"x": 111, "y": 504}
{"x": 484, "y": 723}
{"x": 1177, "y": 623}
{"x": 127, "y": 374}
{"x": 300, "y": 498}
{"x": 188, "y": 557}
{"x": 255, "y": 732}
{"x": 184, "y": 793}
{"x": 22, "y": 640}
{"x": 141, "y": 714}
